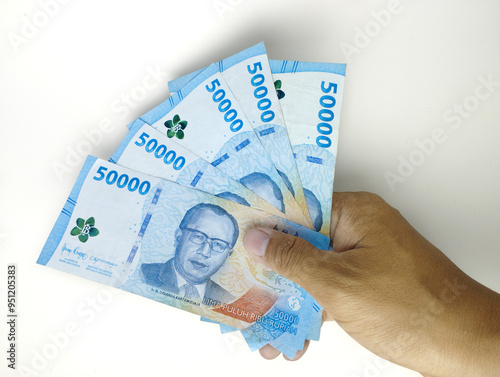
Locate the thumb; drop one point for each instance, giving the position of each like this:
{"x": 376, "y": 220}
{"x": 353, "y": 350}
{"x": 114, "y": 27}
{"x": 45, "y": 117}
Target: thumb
{"x": 290, "y": 256}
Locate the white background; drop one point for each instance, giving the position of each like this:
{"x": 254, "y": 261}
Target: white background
{"x": 71, "y": 73}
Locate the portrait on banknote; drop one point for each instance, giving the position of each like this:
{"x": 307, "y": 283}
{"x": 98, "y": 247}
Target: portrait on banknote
{"x": 203, "y": 241}
{"x": 265, "y": 187}
{"x": 233, "y": 197}
{"x": 314, "y": 206}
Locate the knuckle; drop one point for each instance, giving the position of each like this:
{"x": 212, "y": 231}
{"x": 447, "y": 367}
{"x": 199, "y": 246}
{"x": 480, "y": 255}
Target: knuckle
{"x": 372, "y": 199}
{"x": 374, "y": 205}
{"x": 288, "y": 252}
{"x": 367, "y": 201}
{"x": 285, "y": 251}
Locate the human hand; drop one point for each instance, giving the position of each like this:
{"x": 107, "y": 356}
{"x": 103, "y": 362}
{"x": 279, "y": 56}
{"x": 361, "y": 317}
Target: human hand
{"x": 390, "y": 289}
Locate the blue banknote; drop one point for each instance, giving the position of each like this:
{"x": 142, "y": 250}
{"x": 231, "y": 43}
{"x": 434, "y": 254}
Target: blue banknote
{"x": 289, "y": 343}
{"x": 180, "y": 82}
{"x": 147, "y": 150}
{"x": 249, "y": 77}
{"x": 311, "y": 96}
{"x": 311, "y": 99}
{"x": 205, "y": 117}
{"x": 178, "y": 246}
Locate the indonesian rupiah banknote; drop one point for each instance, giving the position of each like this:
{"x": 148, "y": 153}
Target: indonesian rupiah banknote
{"x": 240, "y": 144}
{"x": 249, "y": 77}
{"x": 311, "y": 99}
{"x": 147, "y": 150}
{"x": 205, "y": 117}
{"x": 178, "y": 246}
{"x": 307, "y": 98}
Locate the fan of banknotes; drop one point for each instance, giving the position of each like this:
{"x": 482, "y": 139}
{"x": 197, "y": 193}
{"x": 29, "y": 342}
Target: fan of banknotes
{"x": 246, "y": 142}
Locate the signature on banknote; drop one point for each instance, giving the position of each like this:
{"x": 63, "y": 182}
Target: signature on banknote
{"x": 65, "y": 250}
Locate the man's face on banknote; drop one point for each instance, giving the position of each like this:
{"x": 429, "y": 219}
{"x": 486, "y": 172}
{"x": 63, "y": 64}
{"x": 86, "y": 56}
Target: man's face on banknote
{"x": 265, "y": 187}
{"x": 203, "y": 245}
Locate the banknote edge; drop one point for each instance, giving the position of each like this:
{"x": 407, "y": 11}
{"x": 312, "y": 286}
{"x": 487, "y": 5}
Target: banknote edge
{"x": 258, "y": 49}
{"x": 290, "y": 66}
{"x": 134, "y": 128}
{"x": 139, "y": 122}
{"x": 196, "y": 81}
{"x": 62, "y": 221}
{"x": 180, "y": 82}
{"x": 158, "y": 112}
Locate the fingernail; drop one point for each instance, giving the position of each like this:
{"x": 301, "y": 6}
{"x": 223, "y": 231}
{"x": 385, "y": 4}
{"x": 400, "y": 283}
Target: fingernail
{"x": 256, "y": 241}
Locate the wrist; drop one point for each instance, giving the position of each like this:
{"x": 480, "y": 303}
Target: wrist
{"x": 484, "y": 353}
{"x": 475, "y": 333}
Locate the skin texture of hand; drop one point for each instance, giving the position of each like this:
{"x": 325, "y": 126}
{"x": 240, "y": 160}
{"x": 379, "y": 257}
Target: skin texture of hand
{"x": 391, "y": 290}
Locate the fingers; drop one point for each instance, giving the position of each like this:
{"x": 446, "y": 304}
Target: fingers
{"x": 354, "y": 216}
{"x": 268, "y": 352}
{"x": 360, "y": 221}
{"x": 291, "y": 257}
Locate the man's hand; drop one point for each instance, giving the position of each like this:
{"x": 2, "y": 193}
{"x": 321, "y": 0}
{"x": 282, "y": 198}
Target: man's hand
{"x": 391, "y": 290}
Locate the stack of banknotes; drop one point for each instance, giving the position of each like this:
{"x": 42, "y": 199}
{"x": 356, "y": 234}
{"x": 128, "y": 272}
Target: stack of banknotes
{"x": 245, "y": 142}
